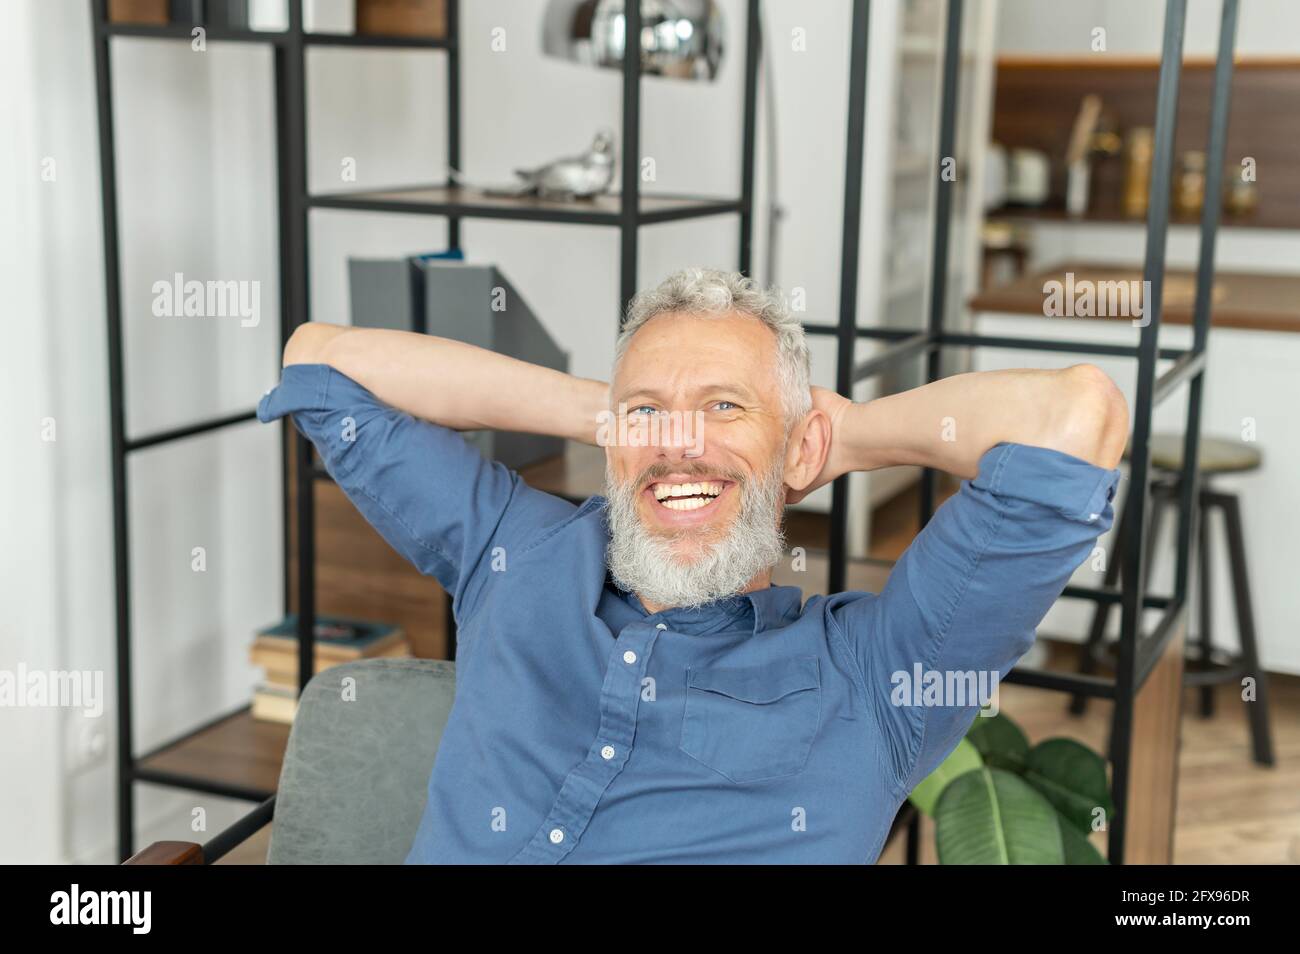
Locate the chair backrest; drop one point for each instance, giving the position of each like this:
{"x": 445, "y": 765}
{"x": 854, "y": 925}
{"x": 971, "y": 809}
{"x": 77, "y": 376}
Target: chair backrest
{"x": 356, "y": 772}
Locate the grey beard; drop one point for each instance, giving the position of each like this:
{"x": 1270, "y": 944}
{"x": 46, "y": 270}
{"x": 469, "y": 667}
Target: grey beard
{"x": 724, "y": 561}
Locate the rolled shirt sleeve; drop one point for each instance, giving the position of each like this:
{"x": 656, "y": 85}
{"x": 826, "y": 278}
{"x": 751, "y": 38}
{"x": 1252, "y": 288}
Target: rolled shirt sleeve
{"x": 433, "y": 497}
{"x": 967, "y": 595}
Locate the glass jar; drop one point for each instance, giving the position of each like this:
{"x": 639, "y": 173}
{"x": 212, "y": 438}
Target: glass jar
{"x": 1189, "y": 187}
{"x": 1138, "y": 148}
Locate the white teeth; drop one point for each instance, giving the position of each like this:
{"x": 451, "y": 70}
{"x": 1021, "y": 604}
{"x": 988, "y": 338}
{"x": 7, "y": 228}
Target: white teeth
{"x": 664, "y": 491}
{"x": 687, "y": 503}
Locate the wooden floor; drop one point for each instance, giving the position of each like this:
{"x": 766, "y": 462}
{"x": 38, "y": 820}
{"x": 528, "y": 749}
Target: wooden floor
{"x": 1230, "y": 810}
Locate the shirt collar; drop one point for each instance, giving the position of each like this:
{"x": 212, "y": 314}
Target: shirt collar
{"x": 769, "y": 608}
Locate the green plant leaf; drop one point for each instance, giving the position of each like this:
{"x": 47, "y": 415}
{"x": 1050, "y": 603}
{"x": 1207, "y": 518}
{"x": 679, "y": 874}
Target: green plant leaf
{"x": 1000, "y": 742}
{"x": 1073, "y": 778}
{"x": 962, "y": 759}
{"x": 992, "y": 817}
{"x": 1078, "y": 849}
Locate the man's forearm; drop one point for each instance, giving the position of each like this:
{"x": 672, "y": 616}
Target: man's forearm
{"x": 454, "y": 384}
{"x": 951, "y": 423}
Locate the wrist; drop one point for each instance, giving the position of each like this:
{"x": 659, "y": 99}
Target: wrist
{"x": 861, "y": 438}
{"x": 590, "y": 402}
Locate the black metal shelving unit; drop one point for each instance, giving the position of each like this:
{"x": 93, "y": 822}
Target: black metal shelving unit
{"x": 1139, "y": 650}
{"x": 632, "y": 211}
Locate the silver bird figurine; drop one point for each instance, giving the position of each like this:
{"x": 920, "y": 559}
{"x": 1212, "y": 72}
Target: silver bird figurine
{"x": 572, "y": 177}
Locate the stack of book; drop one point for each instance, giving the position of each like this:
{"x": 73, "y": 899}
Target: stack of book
{"x": 338, "y": 640}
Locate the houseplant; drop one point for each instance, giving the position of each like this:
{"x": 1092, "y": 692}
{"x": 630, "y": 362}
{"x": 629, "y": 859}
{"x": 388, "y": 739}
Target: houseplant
{"x": 996, "y": 800}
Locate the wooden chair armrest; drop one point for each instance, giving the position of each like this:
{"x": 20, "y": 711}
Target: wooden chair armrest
{"x": 168, "y": 853}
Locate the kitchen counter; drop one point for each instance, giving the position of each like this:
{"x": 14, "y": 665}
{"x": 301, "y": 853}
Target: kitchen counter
{"x": 1259, "y": 302}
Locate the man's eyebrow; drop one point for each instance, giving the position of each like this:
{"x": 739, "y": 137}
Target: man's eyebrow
{"x": 737, "y": 390}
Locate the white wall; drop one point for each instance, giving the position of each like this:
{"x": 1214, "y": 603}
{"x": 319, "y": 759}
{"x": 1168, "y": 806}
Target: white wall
{"x": 193, "y": 198}
{"x": 29, "y": 738}
{"x": 1264, "y": 27}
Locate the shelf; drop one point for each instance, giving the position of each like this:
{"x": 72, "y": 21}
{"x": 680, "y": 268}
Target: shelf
{"x": 1245, "y": 300}
{"x": 378, "y": 41}
{"x": 575, "y": 475}
{"x": 235, "y": 755}
{"x": 1106, "y": 213}
{"x": 472, "y": 203}
{"x": 183, "y": 31}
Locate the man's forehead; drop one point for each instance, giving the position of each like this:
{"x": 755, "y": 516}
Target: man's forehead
{"x": 682, "y": 350}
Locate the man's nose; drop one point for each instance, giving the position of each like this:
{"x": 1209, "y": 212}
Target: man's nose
{"x": 683, "y": 438}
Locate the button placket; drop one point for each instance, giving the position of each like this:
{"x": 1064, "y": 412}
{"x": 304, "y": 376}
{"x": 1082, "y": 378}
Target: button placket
{"x": 583, "y": 788}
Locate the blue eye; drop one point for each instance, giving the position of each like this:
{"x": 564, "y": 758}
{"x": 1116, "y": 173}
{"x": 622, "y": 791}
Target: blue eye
{"x": 647, "y": 408}
{"x": 729, "y": 406}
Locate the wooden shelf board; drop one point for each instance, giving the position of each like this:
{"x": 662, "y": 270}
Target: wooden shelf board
{"x": 377, "y": 41}
{"x": 464, "y": 201}
{"x": 1102, "y": 214}
{"x": 237, "y": 751}
{"x": 576, "y": 474}
{"x": 183, "y": 31}
{"x": 1259, "y": 302}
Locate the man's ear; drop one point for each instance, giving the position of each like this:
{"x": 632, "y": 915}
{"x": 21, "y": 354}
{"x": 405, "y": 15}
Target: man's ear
{"x": 807, "y": 450}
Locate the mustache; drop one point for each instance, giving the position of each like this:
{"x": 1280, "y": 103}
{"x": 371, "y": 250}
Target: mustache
{"x": 662, "y": 469}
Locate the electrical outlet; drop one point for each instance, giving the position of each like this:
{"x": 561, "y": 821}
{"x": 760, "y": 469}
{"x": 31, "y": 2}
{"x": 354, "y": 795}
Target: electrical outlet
{"x": 87, "y": 742}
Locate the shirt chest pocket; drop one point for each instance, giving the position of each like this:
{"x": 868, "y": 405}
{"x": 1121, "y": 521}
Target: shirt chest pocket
{"x": 755, "y": 722}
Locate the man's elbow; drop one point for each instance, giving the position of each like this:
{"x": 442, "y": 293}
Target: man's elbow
{"x": 307, "y": 344}
{"x": 1096, "y": 419}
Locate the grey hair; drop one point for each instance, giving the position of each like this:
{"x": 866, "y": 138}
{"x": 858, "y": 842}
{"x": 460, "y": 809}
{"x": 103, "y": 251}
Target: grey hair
{"x": 710, "y": 292}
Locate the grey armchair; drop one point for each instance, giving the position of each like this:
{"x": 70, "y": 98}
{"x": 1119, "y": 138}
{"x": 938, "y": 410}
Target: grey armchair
{"x": 355, "y": 775}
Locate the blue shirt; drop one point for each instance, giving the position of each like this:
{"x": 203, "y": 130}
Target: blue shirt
{"x": 755, "y": 729}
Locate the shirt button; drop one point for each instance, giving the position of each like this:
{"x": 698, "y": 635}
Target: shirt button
{"x": 557, "y": 836}
{"x": 629, "y": 657}
{"x": 607, "y": 752}
{"x": 660, "y": 626}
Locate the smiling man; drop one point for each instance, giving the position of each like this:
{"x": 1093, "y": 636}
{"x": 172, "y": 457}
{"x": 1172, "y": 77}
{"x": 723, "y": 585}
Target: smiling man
{"x": 631, "y": 686}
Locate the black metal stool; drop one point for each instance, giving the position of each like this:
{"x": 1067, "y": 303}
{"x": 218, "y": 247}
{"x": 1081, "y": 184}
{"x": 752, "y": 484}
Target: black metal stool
{"x": 1205, "y": 666}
